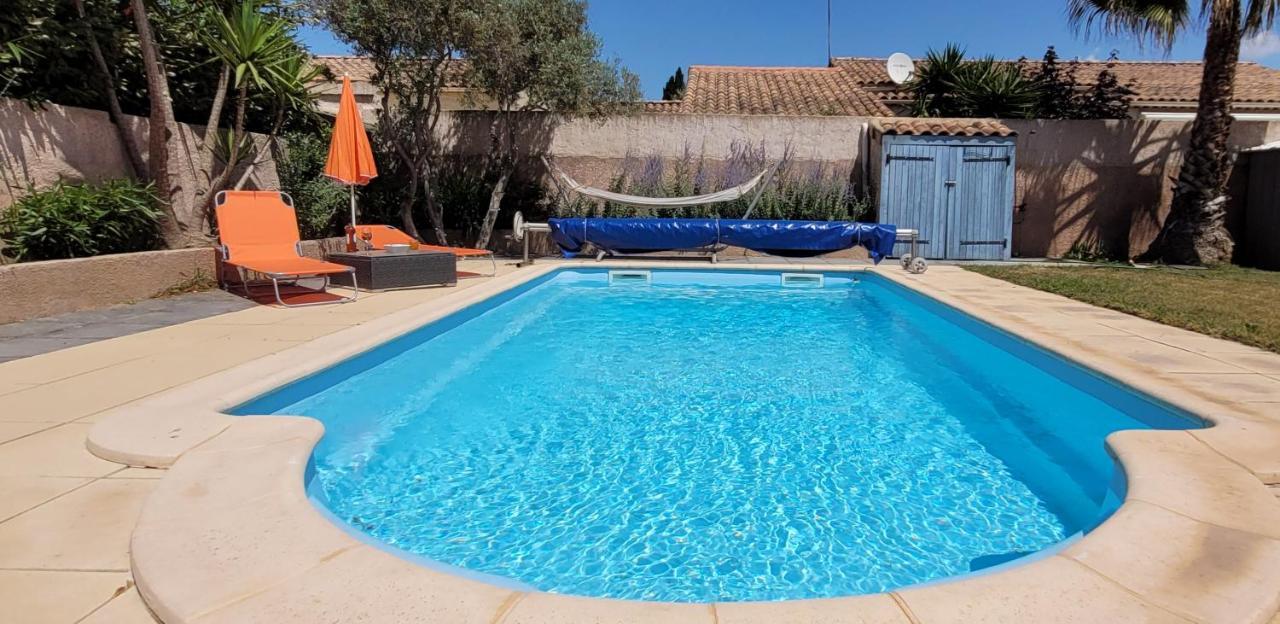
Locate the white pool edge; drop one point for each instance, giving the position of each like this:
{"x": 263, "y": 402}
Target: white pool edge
{"x": 218, "y": 542}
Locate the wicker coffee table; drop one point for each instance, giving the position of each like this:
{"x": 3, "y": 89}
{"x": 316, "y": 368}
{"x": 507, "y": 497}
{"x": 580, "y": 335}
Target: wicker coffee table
{"x": 381, "y": 270}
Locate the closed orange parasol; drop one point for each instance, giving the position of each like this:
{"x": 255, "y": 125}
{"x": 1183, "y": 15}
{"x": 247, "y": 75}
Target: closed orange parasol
{"x": 350, "y": 156}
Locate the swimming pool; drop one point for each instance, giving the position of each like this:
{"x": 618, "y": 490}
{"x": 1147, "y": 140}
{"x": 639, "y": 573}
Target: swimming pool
{"x": 712, "y": 436}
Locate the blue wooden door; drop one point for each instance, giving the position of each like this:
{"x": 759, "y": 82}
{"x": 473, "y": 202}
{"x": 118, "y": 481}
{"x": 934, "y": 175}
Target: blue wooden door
{"x": 979, "y": 202}
{"x": 913, "y": 195}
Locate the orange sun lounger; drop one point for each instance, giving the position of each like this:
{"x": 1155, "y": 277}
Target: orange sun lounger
{"x": 258, "y": 232}
{"x": 384, "y": 235}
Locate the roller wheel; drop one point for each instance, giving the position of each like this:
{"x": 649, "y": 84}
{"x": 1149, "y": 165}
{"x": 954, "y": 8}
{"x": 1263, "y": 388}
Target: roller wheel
{"x": 517, "y": 226}
{"x": 905, "y": 260}
{"x": 917, "y": 266}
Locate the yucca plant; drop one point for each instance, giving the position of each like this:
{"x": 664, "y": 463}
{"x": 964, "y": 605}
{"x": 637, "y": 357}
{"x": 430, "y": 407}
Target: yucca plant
{"x": 933, "y": 84}
{"x": 80, "y": 220}
{"x": 259, "y": 54}
{"x": 988, "y": 88}
{"x": 948, "y": 85}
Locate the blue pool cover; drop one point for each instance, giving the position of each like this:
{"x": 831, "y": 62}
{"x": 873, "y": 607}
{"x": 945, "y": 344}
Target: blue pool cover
{"x": 779, "y": 238}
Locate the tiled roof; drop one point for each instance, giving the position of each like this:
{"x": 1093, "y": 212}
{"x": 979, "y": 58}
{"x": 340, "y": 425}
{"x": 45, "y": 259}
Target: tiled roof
{"x": 940, "y": 126}
{"x": 1151, "y": 81}
{"x": 662, "y": 106}
{"x": 776, "y": 91}
{"x": 360, "y": 68}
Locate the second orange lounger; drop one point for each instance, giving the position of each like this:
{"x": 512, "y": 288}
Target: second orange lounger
{"x": 384, "y": 235}
{"x": 258, "y": 232}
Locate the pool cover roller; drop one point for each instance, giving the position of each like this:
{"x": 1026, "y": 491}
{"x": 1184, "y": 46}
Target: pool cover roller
{"x": 779, "y": 238}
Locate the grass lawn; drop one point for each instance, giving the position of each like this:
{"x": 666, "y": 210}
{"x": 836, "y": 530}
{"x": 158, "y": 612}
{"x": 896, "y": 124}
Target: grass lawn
{"x": 1233, "y": 303}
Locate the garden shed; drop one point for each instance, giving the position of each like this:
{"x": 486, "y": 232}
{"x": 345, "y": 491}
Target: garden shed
{"x": 950, "y": 179}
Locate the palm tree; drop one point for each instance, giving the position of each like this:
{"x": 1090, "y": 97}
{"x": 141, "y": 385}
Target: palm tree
{"x": 1195, "y": 231}
{"x": 161, "y": 124}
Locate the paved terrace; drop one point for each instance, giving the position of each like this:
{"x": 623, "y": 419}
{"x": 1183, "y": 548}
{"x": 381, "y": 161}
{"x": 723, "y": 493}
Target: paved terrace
{"x": 66, "y": 516}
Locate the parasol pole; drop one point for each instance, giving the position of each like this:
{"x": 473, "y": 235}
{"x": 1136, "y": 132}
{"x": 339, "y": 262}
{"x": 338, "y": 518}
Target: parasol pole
{"x": 352, "y": 187}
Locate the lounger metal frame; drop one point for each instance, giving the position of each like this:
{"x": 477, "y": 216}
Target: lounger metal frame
{"x": 275, "y": 279}
{"x": 493, "y": 263}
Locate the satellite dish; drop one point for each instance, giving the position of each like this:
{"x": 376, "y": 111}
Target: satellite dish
{"x": 900, "y": 67}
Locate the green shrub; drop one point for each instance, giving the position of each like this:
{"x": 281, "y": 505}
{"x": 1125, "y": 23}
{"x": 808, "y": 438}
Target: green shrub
{"x": 322, "y": 204}
{"x": 80, "y": 220}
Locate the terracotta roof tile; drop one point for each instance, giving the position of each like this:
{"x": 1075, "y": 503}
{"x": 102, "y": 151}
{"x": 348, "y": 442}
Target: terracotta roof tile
{"x": 775, "y": 91}
{"x": 361, "y": 69}
{"x": 940, "y": 126}
{"x": 662, "y": 106}
{"x": 1152, "y": 81}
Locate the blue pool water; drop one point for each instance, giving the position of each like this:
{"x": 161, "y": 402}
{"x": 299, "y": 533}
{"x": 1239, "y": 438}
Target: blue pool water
{"x": 714, "y": 437}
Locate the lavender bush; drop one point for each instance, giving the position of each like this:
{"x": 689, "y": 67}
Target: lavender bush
{"x": 800, "y": 191}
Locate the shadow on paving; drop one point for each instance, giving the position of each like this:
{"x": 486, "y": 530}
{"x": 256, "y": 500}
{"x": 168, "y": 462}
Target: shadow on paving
{"x": 51, "y": 333}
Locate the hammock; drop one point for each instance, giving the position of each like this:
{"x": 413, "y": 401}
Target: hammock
{"x": 717, "y": 197}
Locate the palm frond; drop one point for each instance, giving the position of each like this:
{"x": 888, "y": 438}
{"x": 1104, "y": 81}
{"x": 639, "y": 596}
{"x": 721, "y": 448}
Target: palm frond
{"x": 1259, "y": 15}
{"x": 1156, "y": 21}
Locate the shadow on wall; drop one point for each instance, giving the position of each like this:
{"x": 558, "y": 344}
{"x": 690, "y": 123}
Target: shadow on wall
{"x": 633, "y": 153}
{"x": 468, "y": 172}
{"x": 42, "y": 146}
{"x": 39, "y": 146}
{"x": 1104, "y": 186}
{"x": 1091, "y": 185}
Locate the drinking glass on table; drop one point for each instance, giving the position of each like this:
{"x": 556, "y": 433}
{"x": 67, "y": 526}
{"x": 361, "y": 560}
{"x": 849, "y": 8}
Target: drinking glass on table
{"x": 367, "y": 236}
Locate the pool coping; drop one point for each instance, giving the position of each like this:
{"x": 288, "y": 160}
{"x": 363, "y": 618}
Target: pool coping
{"x": 229, "y": 534}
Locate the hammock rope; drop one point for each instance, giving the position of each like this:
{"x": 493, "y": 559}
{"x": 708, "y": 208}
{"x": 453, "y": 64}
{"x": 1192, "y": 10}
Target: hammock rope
{"x": 727, "y": 195}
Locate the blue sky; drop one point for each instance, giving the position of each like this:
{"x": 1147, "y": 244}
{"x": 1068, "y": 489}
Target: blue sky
{"x": 653, "y": 37}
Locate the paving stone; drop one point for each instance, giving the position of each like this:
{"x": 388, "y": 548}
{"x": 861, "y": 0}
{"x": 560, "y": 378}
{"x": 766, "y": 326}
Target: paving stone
{"x": 45, "y": 335}
{"x": 23, "y": 493}
{"x": 32, "y": 328}
{"x": 127, "y": 608}
{"x": 56, "y": 596}
{"x": 87, "y": 529}
{"x": 102, "y": 331}
{"x": 27, "y": 346}
{"x": 56, "y": 452}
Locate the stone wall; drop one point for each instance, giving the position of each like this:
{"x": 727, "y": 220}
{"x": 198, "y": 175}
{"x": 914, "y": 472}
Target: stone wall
{"x": 592, "y": 151}
{"x": 1093, "y": 184}
{"x": 35, "y": 289}
{"x": 39, "y": 146}
{"x": 1105, "y": 184}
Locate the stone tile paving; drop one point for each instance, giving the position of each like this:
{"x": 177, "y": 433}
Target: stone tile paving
{"x": 66, "y": 516}
{"x": 37, "y": 336}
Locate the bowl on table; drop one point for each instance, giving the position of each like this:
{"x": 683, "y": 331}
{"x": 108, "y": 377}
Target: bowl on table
{"x": 396, "y": 249}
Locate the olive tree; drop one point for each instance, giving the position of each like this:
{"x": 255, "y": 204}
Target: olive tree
{"x": 413, "y": 45}
{"x": 536, "y": 56}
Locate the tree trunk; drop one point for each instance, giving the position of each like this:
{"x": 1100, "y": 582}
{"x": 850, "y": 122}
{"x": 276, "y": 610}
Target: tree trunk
{"x": 505, "y": 163}
{"x": 161, "y": 125}
{"x": 271, "y": 150}
{"x": 434, "y": 212}
{"x": 406, "y": 206}
{"x": 131, "y": 149}
{"x": 495, "y": 202}
{"x": 233, "y": 154}
{"x": 1195, "y": 231}
{"x": 207, "y": 140}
